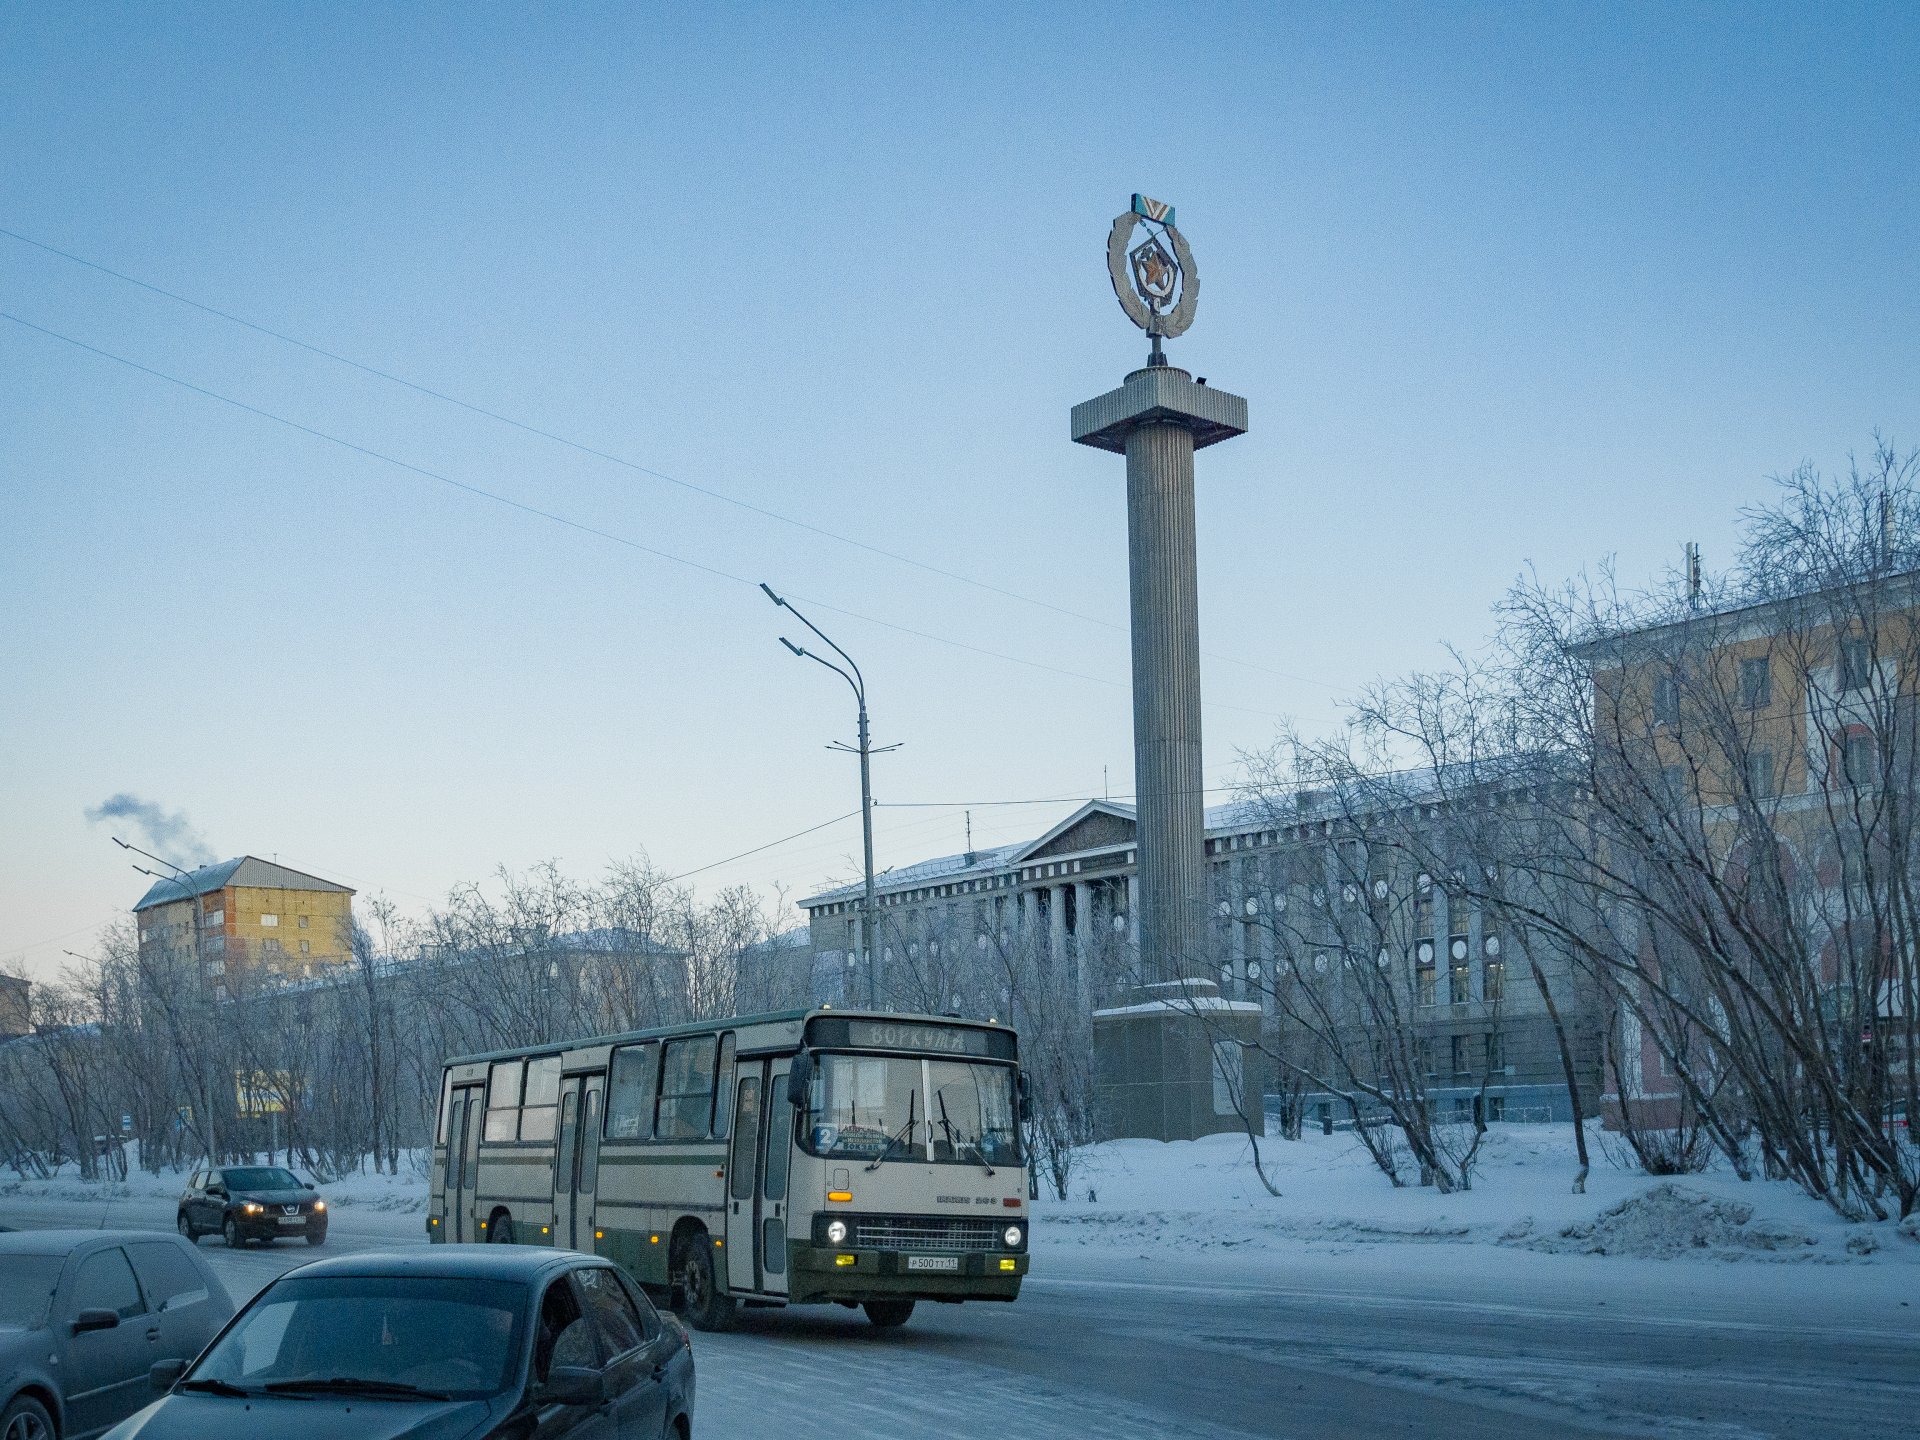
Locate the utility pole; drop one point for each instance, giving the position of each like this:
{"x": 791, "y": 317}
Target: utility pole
{"x": 868, "y": 910}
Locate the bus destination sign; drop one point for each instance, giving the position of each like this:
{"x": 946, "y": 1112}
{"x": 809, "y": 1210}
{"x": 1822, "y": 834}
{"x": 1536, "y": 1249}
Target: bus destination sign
{"x": 898, "y": 1035}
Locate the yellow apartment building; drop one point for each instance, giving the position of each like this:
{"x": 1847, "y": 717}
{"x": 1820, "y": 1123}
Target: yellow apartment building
{"x": 249, "y": 913}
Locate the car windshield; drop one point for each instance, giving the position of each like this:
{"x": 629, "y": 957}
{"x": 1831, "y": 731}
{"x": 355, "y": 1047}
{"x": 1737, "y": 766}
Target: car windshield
{"x": 952, "y": 1112}
{"x": 261, "y": 1177}
{"x": 454, "y": 1337}
{"x": 26, "y": 1285}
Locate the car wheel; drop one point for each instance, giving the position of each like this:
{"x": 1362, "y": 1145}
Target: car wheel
{"x": 888, "y": 1313}
{"x": 235, "y": 1240}
{"x": 707, "y": 1306}
{"x": 26, "y": 1419}
{"x": 185, "y": 1226}
{"x": 316, "y": 1237}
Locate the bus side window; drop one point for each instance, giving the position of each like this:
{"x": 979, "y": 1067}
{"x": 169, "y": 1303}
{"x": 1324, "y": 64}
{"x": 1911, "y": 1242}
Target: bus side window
{"x": 543, "y": 1089}
{"x": 723, "y": 1089}
{"x": 630, "y": 1092}
{"x": 503, "y": 1100}
{"x": 686, "y": 1088}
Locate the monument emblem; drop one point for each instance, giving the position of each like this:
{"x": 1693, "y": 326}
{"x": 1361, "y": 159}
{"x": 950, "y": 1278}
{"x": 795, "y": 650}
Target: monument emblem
{"x": 1155, "y": 280}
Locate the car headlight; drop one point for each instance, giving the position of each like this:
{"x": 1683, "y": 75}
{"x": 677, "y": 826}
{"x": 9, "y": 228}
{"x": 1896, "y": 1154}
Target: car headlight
{"x": 250, "y": 1208}
{"x": 319, "y": 1207}
{"x": 837, "y": 1232}
{"x": 1014, "y": 1236}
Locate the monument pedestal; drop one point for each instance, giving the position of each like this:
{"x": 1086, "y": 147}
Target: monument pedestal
{"x": 1177, "y": 1064}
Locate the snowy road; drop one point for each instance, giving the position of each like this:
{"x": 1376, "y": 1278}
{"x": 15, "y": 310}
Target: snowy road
{"x": 1301, "y": 1343}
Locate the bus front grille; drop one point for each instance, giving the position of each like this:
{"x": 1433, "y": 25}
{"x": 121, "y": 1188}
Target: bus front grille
{"x": 926, "y": 1232}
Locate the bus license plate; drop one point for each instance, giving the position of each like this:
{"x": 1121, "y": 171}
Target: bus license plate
{"x": 933, "y": 1262}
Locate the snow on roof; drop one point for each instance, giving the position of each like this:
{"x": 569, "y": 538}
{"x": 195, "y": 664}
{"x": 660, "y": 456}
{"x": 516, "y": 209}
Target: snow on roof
{"x": 242, "y": 870}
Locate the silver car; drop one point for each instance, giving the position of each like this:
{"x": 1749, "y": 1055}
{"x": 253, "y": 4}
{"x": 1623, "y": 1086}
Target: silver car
{"x": 85, "y": 1315}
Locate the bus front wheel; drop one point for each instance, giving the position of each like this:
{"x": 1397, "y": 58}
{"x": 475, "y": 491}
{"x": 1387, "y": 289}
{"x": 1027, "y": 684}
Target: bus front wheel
{"x": 705, "y": 1305}
{"x": 888, "y": 1313}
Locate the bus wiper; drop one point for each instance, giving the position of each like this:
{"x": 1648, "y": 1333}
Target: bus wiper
{"x": 898, "y": 1135}
{"x": 947, "y": 1125}
{"x": 356, "y": 1385}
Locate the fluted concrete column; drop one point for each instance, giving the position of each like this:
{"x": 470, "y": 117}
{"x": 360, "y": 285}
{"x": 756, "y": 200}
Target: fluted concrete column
{"x": 1029, "y": 918}
{"x": 1133, "y": 910}
{"x": 1057, "y": 925}
{"x": 1086, "y": 940}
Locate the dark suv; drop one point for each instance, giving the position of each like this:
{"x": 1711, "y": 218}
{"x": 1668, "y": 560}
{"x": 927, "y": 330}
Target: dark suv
{"x": 251, "y": 1202}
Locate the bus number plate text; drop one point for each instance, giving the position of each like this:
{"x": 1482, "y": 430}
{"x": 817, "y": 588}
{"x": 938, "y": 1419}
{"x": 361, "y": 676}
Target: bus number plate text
{"x": 933, "y": 1262}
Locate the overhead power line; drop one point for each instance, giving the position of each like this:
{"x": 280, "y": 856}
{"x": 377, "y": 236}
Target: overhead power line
{"x": 610, "y": 458}
{"x": 701, "y": 870}
{"x": 565, "y": 520}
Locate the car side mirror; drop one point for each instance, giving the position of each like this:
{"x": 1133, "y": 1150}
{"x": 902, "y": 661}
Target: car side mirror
{"x": 96, "y": 1320}
{"x": 163, "y": 1374}
{"x": 800, "y": 1082}
{"x": 219, "y": 1190}
{"x": 574, "y": 1385}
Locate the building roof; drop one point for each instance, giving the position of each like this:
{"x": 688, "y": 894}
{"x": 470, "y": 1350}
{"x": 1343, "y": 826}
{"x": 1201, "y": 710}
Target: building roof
{"x": 247, "y": 870}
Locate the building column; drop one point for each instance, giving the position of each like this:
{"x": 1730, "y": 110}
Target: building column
{"x": 1133, "y": 910}
{"x": 1086, "y": 939}
{"x": 1029, "y": 929}
{"x": 1057, "y": 925}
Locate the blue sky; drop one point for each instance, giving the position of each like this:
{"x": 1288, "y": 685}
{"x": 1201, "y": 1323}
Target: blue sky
{"x": 1504, "y": 285}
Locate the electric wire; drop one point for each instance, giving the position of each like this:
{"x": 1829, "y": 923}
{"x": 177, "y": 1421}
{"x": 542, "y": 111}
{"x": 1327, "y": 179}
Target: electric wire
{"x": 620, "y": 460}
{"x": 570, "y": 523}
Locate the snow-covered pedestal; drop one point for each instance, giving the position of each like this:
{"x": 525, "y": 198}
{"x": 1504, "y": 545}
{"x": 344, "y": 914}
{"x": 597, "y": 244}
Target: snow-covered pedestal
{"x": 1177, "y": 1064}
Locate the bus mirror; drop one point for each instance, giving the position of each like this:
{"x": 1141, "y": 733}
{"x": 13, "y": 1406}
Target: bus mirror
{"x": 1025, "y": 1093}
{"x": 800, "y": 1082}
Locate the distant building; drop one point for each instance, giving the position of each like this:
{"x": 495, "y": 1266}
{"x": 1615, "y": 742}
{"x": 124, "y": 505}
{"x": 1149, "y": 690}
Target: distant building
{"x": 1070, "y": 895}
{"x": 16, "y": 1013}
{"x": 249, "y": 912}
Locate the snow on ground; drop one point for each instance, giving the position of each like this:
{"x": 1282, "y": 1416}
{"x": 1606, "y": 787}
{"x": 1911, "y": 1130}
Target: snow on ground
{"x": 404, "y": 1193}
{"x": 1149, "y": 1196}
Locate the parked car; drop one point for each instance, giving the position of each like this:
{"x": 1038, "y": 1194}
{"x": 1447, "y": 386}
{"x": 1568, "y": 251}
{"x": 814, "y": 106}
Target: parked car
{"x": 457, "y": 1340}
{"x": 84, "y": 1317}
{"x": 251, "y": 1202}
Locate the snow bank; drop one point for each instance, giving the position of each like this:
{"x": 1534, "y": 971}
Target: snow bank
{"x": 1146, "y": 1198}
{"x": 405, "y": 1192}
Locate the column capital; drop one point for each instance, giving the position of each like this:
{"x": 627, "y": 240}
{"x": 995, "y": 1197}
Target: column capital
{"x": 1159, "y": 395}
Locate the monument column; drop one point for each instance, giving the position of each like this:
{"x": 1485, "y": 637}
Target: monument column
{"x": 1154, "y": 1057}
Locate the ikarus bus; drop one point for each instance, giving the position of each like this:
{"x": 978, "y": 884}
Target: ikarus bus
{"x": 806, "y": 1157}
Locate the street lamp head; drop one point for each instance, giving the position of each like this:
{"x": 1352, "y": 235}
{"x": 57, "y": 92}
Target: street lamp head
{"x": 770, "y": 595}
{"x": 793, "y": 647}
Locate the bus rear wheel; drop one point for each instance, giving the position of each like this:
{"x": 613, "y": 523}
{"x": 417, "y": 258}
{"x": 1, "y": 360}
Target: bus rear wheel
{"x": 704, "y": 1304}
{"x": 887, "y": 1314}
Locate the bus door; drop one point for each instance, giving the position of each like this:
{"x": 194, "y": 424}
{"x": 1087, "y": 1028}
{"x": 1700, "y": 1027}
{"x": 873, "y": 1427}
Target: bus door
{"x": 463, "y": 1159}
{"x": 757, "y": 1178}
{"x": 576, "y": 1162}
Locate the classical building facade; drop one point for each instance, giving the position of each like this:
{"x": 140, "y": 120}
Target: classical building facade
{"x": 1289, "y": 893}
{"x": 249, "y": 912}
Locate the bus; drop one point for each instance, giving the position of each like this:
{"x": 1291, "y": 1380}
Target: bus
{"x": 806, "y": 1157}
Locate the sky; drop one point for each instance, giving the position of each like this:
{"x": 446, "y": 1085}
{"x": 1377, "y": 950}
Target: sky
{"x": 805, "y": 295}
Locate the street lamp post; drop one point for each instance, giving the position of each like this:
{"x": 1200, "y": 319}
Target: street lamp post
{"x": 185, "y": 881}
{"x": 865, "y": 750}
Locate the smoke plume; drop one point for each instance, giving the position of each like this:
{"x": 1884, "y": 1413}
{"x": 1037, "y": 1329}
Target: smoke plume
{"x": 171, "y": 837}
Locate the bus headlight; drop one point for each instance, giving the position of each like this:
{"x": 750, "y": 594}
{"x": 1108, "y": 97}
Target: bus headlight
{"x": 1015, "y": 1237}
{"x": 836, "y": 1232}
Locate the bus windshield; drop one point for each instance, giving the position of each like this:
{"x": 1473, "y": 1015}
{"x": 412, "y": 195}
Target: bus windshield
{"x": 944, "y": 1112}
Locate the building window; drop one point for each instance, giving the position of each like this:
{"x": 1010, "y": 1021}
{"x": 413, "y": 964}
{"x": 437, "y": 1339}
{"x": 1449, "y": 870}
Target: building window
{"x": 305, "y": 947}
{"x": 1760, "y": 776}
{"x": 1859, "y": 759}
{"x": 1666, "y": 701}
{"x": 269, "y": 920}
{"x": 302, "y": 922}
{"x": 1856, "y": 662}
{"x": 1460, "y": 982}
{"x": 1496, "y": 1051}
{"x": 1457, "y": 1048}
{"x": 1756, "y": 683}
{"x": 1423, "y": 984}
{"x": 1494, "y": 980}
{"x": 270, "y": 945}
{"x": 1496, "y": 1108}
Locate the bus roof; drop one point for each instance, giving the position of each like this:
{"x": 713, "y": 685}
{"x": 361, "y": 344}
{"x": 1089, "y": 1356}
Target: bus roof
{"x": 705, "y": 1027}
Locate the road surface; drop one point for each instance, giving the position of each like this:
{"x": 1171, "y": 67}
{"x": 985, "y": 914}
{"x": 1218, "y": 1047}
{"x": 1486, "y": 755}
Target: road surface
{"x": 1408, "y": 1340}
